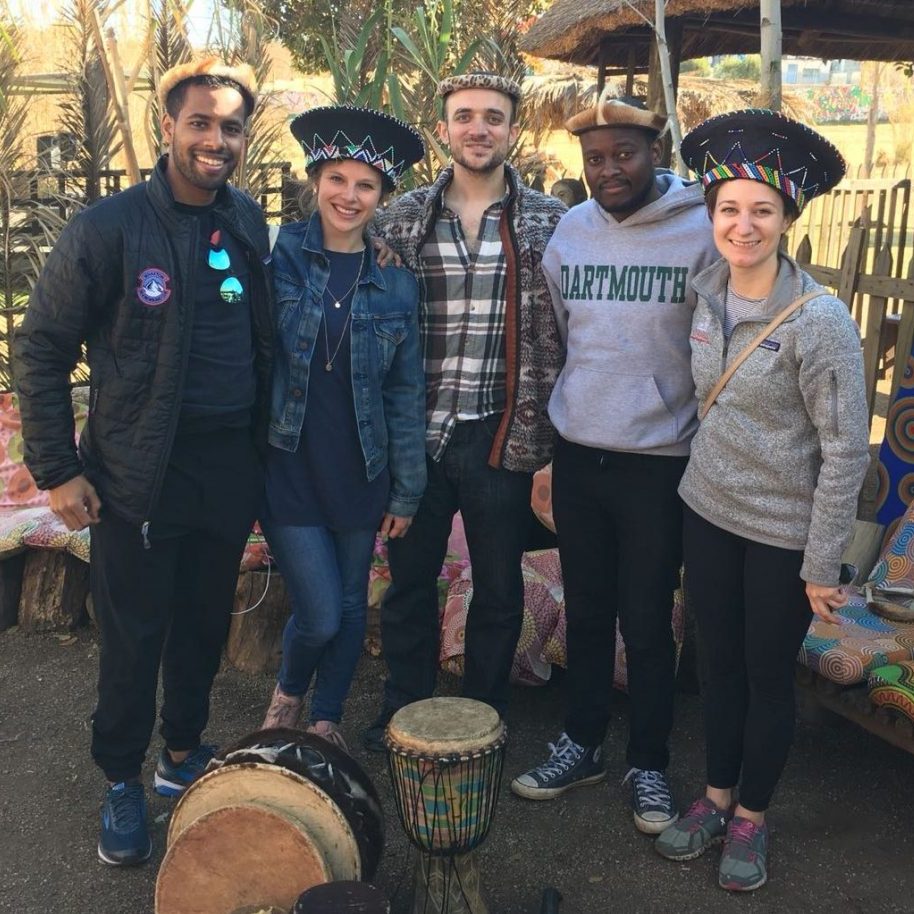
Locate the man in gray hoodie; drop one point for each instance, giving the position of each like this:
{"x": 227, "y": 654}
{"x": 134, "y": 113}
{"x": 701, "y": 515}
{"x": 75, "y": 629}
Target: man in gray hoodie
{"x": 619, "y": 269}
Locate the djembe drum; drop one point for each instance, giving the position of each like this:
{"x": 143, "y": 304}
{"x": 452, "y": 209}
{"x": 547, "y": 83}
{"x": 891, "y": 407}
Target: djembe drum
{"x": 445, "y": 757}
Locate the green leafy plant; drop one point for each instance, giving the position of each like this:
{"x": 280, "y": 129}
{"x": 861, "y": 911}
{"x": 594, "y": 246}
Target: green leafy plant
{"x": 27, "y": 227}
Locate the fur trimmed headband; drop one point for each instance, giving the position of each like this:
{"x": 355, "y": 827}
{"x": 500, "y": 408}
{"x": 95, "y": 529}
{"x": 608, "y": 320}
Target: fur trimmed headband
{"x": 479, "y": 80}
{"x": 615, "y": 112}
{"x": 242, "y": 74}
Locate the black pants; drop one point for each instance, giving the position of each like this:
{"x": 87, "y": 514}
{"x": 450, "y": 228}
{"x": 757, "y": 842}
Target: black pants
{"x": 752, "y": 615}
{"x": 619, "y": 522}
{"x": 170, "y": 603}
{"x": 495, "y": 505}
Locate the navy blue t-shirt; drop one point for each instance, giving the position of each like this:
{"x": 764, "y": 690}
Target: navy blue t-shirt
{"x": 324, "y": 482}
{"x": 219, "y": 387}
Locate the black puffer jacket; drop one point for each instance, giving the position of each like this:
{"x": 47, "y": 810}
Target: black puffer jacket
{"x": 137, "y": 352}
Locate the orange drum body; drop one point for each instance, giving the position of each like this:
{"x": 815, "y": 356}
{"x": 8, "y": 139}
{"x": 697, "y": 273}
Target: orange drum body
{"x": 445, "y": 757}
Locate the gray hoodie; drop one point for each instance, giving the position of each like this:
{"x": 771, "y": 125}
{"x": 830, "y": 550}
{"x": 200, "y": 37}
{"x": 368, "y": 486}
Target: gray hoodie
{"x": 623, "y": 299}
{"x": 780, "y": 457}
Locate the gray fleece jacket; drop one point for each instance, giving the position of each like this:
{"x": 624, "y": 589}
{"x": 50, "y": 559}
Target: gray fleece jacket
{"x": 781, "y": 456}
{"x": 623, "y": 301}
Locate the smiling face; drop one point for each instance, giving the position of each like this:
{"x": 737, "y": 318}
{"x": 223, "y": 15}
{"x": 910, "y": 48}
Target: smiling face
{"x": 206, "y": 138}
{"x": 748, "y": 218}
{"x": 619, "y": 165}
{"x": 478, "y": 129}
{"x": 348, "y": 193}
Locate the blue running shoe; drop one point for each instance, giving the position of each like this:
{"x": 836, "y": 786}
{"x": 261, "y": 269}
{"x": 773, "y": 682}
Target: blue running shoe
{"x": 124, "y": 839}
{"x": 171, "y": 780}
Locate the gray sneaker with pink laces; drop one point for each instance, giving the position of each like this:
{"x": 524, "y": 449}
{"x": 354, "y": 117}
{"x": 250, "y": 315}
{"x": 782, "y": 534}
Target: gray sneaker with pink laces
{"x": 701, "y": 827}
{"x": 744, "y": 862}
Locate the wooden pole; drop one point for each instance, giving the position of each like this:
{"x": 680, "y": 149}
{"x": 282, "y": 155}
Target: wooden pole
{"x": 114, "y": 74}
{"x": 771, "y": 40}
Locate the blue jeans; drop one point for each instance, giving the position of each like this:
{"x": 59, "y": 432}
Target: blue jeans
{"x": 495, "y": 504}
{"x": 326, "y": 575}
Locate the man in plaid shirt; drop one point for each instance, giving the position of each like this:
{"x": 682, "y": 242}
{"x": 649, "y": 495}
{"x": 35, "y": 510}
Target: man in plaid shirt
{"x": 475, "y": 239}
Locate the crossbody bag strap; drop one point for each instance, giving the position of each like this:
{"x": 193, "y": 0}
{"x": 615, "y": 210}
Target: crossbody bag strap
{"x": 753, "y": 345}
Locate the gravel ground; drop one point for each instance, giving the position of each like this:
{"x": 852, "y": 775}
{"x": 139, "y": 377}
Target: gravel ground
{"x": 842, "y": 835}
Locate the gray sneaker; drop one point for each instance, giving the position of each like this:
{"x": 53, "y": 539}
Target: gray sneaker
{"x": 701, "y": 827}
{"x": 569, "y": 765}
{"x": 652, "y": 800}
{"x": 744, "y": 862}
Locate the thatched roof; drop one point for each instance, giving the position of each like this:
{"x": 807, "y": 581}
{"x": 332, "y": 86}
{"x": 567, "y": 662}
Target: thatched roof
{"x": 573, "y": 30}
{"x": 550, "y": 99}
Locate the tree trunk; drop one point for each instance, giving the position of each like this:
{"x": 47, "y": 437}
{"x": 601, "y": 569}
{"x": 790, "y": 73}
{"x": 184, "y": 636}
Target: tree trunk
{"x": 55, "y": 585}
{"x": 771, "y": 40}
{"x": 255, "y": 637}
{"x": 667, "y": 60}
{"x": 872, "y": 118}
{"x": 10, "y": 590}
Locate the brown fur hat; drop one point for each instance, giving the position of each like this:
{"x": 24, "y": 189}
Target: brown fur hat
{"x": 615, "y": 112}
{"x": 242, "y": 74}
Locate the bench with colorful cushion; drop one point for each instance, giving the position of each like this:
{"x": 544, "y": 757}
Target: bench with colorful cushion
{"x": 864, "y": 667}
{"x": 27, "y": 523}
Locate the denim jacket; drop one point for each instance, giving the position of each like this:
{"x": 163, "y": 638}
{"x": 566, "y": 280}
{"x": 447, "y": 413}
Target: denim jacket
{"x": 388, "y": 384}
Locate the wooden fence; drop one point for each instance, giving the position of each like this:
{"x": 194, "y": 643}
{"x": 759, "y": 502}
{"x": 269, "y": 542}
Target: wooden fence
{"x": 66, "y": 189}
{"x": 880, "y": 299}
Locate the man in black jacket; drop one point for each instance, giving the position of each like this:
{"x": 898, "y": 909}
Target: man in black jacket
{"x": 166, "y": 285}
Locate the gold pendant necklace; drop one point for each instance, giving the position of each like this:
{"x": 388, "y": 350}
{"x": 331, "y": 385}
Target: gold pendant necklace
{"x": 337, "y": 303}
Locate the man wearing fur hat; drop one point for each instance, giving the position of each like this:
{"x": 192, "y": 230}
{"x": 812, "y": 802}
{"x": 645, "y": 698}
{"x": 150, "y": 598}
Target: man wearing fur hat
{"x": 475, "y": 238}
{"x": 166, "y": 285}
{"x": 619, "y": 270}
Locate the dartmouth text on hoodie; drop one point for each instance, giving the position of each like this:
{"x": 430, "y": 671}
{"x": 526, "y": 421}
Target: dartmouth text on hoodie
{"x": 623, "y": 301}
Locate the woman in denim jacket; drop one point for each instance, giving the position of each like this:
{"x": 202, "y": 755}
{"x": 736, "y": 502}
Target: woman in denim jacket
{"x": 347, "y": 419}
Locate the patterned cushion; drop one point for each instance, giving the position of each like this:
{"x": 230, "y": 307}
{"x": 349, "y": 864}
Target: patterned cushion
{"x": 846, "y": 653}
{"x": 896, "y": 561}
{"x": 541, "y": 497}
{"x": 892, "y": 686}
{"x": 17, "y": 488}
{"x": 542, "y": 637}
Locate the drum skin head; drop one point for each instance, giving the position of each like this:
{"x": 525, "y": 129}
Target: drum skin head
{"x": 235, "y": 857}
{"x": 274, "y": 787}
{"x": 440, "y": 726}
{"x": 334, "y": 771}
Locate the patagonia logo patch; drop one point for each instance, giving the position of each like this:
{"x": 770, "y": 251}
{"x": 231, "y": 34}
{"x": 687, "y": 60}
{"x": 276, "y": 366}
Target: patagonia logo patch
{"x": 773, "y": 345}
{"x": 153, "y": 287}
{"x": 699, "y": 336}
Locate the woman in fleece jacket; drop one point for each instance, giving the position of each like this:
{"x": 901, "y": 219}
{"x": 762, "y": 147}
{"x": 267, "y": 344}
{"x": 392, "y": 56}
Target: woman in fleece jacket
{"x": 771, "y": 486}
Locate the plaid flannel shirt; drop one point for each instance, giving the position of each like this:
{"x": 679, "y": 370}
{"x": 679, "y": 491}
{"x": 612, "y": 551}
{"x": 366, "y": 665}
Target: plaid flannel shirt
{"x": 463, "y": 324}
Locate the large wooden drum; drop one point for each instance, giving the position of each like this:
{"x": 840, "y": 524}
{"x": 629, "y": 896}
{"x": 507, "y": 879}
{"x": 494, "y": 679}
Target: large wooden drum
{"x": 261, "y": 827}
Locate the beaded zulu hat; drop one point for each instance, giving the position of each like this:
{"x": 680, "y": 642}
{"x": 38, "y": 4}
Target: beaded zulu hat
{"x": 762, "y": 145}
{"x": 339, "y": 132}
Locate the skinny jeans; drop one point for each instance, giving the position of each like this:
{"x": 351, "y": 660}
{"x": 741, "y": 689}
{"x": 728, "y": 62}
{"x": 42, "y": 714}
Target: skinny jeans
{"x": 752, "y": 615}
{"x": 495, "y": 505}
{"x": 326, "y": 574}
{"x": 619, "y": 522}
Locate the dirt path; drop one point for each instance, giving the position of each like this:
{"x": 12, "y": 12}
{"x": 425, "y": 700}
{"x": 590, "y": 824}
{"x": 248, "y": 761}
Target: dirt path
{"x": 842, "y": 833}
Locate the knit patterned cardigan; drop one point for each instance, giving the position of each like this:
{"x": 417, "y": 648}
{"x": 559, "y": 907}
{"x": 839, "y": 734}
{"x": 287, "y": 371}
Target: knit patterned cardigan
{"x": 534, "y": 353}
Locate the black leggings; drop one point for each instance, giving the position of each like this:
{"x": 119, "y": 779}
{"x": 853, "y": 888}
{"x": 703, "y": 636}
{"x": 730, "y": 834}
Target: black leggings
{"x": 752, "y": 615}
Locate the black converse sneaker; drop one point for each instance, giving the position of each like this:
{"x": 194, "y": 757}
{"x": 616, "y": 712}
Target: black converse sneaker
{"x": 569, "y": 765}
{"x": 652, "y": 801}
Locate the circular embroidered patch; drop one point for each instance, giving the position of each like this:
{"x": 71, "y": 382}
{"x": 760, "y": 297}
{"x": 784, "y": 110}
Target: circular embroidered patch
{"x": 153, "y": 287}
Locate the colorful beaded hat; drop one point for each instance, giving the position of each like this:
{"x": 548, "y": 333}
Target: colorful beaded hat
{"x": 339, "y": 132}
{"x": 766, "y": 146}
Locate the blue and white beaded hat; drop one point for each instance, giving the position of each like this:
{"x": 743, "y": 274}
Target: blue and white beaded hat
{"x": 762, "y": 145}
{"x": 336, "y": 132}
